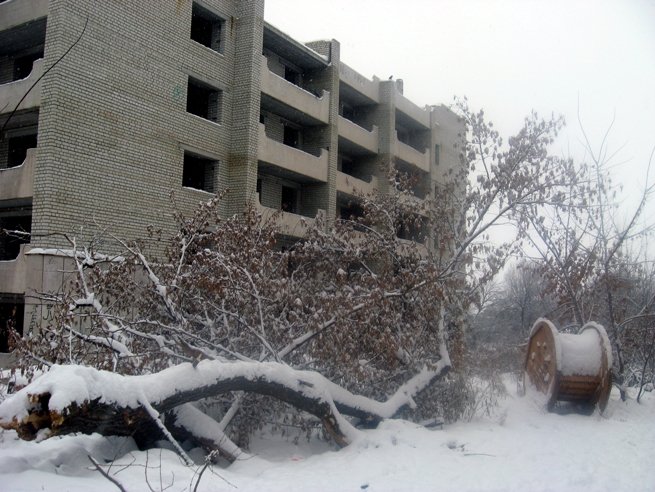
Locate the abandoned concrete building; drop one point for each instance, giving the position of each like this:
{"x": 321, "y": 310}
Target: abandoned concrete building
{"x": 108, "y": 107}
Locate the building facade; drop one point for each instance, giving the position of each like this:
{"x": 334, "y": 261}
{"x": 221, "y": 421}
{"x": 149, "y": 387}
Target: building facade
{"x": 108, "y": 107}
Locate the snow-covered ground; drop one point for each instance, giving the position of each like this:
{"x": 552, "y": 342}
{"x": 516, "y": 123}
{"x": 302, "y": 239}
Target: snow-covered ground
{"x": 521, "y": 448}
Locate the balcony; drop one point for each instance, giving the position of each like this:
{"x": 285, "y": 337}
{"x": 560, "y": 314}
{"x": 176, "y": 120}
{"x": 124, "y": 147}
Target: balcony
{"x": 288, "y": 224}
{"x": 293, "y": 96}
{"x": 368, "y": 88}
{"x": 18, "y": 182}
{"x": 19, "y": 12}
{"x": 412, "y": 156}
{"x": 360, "y": 136}
{"x": 410, "y": 109}
{"x": 292, "y": 159}
{"x": 13, "y": 273}
{"x": 12, "y": 92}
{"x": 353, "y": 186}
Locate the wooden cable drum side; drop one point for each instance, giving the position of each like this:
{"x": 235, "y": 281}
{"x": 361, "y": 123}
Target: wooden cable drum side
{"x": 568, "y": 367}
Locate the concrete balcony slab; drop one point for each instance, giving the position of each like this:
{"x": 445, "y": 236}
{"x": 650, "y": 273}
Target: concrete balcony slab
{"x": 293, "y": 96}
{"x": 412, "y": 156}
{"x": 13, "y": 273}
{"x": 370, "y": 89}
{"x": 18, "y": 182}
{"x": 350, "y": 185}
{"x": 17, "y": 12}
{"x": 289, "y": 224}
{"x": 12, "y": 92}
{"x": 292, "y": 159}
{"x": 413, "y": 111}
{"x": 354, "y": 133}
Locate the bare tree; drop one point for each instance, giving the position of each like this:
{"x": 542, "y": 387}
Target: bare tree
{"x": 584, "y": 245}
{"x": 518, "y": 301}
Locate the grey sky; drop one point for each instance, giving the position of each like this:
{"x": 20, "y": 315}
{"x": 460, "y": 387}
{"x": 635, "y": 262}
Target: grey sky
{"x": 508, "y": 57}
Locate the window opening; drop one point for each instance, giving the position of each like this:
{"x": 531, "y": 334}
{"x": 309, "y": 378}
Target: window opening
{"x": 207, "y": 28}
{"x": 199, "y": 173}
{"x": 203, "y": 100}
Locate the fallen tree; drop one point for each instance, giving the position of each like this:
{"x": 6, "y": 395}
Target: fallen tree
{"x": 70, "y": 399}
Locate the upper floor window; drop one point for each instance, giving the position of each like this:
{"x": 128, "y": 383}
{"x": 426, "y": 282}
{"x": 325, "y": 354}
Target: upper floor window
{"x": 200, "y": 173}
{"x": 204, "y": 100}
{"x": 207, "y": 28}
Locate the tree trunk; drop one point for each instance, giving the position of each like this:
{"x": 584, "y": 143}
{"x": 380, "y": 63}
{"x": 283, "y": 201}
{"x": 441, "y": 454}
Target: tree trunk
{"x": 116, "y": 404}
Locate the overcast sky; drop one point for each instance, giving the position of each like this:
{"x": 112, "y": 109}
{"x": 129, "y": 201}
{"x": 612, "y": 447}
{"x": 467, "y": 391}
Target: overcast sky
{"x": 508, "y": 57}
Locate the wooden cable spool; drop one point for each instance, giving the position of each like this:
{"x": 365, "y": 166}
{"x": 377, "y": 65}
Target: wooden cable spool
{"x": 568, "y": 367}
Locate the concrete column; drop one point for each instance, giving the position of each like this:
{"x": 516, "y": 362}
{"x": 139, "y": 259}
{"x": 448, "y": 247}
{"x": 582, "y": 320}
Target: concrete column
{"x": 324, "y": 196}
{"x": 385, "y": 118}
{"x": 241, "y": 172}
